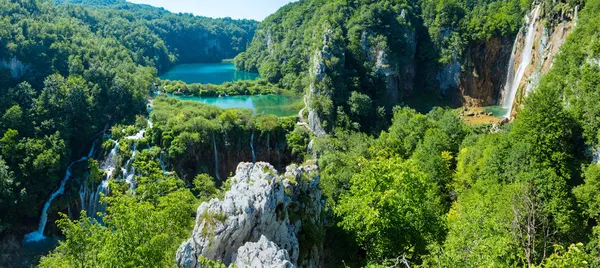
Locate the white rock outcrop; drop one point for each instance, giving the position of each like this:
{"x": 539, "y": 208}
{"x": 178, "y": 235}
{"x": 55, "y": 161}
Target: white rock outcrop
{"x": 262, "y": 254}
{"x": 259, "y": 203}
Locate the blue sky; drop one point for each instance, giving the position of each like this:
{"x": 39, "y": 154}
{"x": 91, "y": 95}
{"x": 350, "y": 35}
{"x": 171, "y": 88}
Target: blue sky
{"x": 237, "y": 9}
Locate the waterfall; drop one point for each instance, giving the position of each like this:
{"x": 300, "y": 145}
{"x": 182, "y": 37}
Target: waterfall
{"x": 216, "y": 158}
{"x": 163, "y": 166}
{"x": 38, "y": 234}
{"x": 513, "y": 80}
{"x": 129, "y": 170}
{"x": 576, "y": 15}
{"x": 269, "y": 146}
{"x": 108, "y": 167}
{"x": 252, "y": 147}
{"x": 278, "y": 155}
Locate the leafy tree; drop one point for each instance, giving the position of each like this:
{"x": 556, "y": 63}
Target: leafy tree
{"x": 389, "y": 210}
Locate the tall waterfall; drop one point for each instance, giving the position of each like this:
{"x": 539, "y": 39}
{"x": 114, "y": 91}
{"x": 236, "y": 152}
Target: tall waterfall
{"x": 216, "y": 158}
{"x": 38, "y": 235}
{"x": 252, "y": 147}
{"x": 513, "y": 80}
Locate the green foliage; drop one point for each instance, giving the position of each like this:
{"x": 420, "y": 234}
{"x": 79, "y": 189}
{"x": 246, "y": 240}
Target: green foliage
{"x": 389, "y": 210}
{"x": 255, "y": 87}
{"x": 204, "y": 187}
{"x": 188, "y": 131}
{"x": 140, "y": 230}
{"x": 574, "y": 256}
{"x": 453, "y": 24}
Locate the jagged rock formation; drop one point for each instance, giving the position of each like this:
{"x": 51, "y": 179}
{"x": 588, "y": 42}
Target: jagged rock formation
{"x": 263, "y": 253}
{"x": 284, "y": 209}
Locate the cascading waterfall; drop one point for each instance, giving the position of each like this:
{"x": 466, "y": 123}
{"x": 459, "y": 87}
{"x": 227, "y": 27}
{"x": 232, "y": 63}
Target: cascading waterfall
{"x": 268, "y": 146}
{"x": 38, "y": 235}
{"x": 576, "y": 15}
{"x": 216, "y": 158}
{"x": 278, "y": 155}
{"x": 513, "y": 80}
{"x": 252, "y": 147}
{"x": 129, "y": 170}
{"x": 108, "y": 166}
{"x": 163, "y": 166}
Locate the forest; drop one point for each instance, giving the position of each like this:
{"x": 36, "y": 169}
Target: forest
{"x": 400, "y": 186}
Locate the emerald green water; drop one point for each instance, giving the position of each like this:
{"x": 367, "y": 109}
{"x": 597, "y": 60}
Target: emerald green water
{"x": 498, "y": 111}
{"x": 207, "y": 73}
{"x": 278, "y": 105}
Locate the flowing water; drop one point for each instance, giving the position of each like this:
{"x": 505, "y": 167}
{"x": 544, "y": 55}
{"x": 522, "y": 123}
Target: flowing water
{"x": 207, "y": 73}
{"x": 252, "y": 147}
{"x": 38, "y": 234}
{"x": 216, "y": 158}
{"x": 93, "y": 206}
{"x": 513, "y": 80}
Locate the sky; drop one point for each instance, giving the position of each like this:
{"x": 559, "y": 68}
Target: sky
{"x": 237, "y": 9}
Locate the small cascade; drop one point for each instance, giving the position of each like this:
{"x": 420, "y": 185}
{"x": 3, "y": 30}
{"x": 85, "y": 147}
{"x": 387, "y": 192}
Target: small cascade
{"x": 92, "y": 204}
{"x": 161, "y": 159}
{"x": 216, "y": 158}
{"x": 513, "y": 80}
{"x": 129, "y": 170}
{"x": 278, "y": 156}
{"x": 576, "y": 15}
{"x": 252, "y": 147}
{"x": 268, "y": 146}
{"x": 38, "y": 235}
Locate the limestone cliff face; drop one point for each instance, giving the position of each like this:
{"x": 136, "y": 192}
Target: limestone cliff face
{"x": 484, "y": 72}
{"x": 551, "y": 33}
{"x": 278, "y": 211}
{"x": 478, "y": 79}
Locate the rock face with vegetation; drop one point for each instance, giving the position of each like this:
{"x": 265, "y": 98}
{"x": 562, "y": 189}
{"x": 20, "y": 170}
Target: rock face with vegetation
{"x": 283, "y": 209}
{"x": 263, "y": 253}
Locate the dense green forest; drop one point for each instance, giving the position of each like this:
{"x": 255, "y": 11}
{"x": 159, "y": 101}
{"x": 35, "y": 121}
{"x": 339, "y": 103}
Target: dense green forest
{"x": 350, "y": 50}
{"x": 399, "y": 186}
{"x": 70, "y": 71}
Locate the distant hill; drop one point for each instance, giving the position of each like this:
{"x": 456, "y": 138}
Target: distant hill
{"x": 91, "y": 2}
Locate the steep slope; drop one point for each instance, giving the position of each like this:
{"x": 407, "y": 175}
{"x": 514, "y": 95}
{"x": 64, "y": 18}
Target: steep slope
{"x": 285, "y": 209}
{"x": 163, "y": 38}
{"x": 359, "y": 59}
{"x": 68, "y": 72}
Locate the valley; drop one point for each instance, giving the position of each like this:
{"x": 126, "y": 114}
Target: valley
{"x": 387, "y": 133}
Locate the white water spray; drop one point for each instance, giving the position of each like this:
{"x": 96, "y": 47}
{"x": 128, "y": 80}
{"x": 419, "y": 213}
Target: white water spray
{"x": 216, "y": 158}
{"x": 38, "y": 235}
{"x": 108, "y": 167}
{"x": 252, "y": 147}
{"x": 513, "y": 80}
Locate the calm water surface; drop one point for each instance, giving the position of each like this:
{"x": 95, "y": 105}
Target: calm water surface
{"x": 207, "y": 73}
{"x": 498, "y": 111}
{"x": 278, "y": 105}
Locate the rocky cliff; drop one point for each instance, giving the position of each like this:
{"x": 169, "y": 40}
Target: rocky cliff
{"x": 478, "y": 79}
{"x": 551, "y": 33}
{"x": 483, "y": 72}
{"x": 281, "y": 212}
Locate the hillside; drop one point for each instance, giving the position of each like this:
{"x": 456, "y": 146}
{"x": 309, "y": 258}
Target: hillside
{"x": 68, "y": 72}
{"x": 379, "y": 169}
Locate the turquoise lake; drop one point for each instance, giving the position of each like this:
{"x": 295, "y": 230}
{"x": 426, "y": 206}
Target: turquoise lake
{"x": 278, "y": 105}
{"x": 207, "y": 73}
